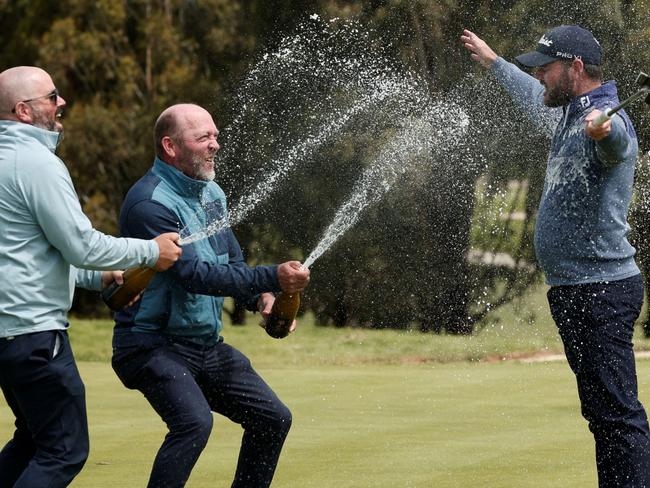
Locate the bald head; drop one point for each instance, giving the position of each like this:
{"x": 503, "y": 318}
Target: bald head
{"x": 28, "y": 95}
{"x": 21, "y": 83}
{"x": 185, "y": 136}
{"x": 174, "y": 121}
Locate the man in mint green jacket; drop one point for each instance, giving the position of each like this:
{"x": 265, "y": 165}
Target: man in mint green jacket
{"x": 47, "y": 246}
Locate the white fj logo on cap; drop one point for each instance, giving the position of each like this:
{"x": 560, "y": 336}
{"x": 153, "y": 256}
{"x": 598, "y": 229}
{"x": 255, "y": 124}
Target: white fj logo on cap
{"x": 585, "y": 102}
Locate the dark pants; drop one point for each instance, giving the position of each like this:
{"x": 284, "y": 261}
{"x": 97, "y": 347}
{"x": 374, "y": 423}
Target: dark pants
{"x": 45, "y": 393}
{"x": 596, "y": 323}
{"x": 184, "y": 383}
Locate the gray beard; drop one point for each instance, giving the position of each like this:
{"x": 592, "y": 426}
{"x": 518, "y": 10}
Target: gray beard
{"x": 42, "y": 122}
{"x": 200, "y": 173}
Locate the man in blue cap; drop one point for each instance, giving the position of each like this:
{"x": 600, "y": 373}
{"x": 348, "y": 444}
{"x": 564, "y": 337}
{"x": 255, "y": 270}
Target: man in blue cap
{"x": 581, "y": 235}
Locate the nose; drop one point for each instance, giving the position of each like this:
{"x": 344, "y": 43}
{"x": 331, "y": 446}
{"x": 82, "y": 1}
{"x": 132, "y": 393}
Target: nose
{"x": 60, "y": 101}
{"x": 214, "y": 145}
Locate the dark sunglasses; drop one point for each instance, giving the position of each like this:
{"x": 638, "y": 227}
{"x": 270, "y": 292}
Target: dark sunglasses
{"x": 52, "y": 97}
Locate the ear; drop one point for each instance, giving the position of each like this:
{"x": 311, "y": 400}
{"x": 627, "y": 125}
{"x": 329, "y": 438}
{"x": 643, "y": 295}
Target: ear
{"x": 577, "y": 65}
{"x": 23, "y": 113}
{"x": 169, "y": 146}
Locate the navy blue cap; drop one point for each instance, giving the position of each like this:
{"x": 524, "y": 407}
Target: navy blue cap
{"x": 563, "y": 42}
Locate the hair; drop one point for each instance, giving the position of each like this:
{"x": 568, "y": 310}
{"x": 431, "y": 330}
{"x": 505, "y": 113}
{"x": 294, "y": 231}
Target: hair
{"x": 594, "y": 72}
{"x": 166, "y": 125}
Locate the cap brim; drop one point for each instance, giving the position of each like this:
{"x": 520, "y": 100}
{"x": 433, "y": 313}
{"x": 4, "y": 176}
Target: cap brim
{"x": 534, "y": 59}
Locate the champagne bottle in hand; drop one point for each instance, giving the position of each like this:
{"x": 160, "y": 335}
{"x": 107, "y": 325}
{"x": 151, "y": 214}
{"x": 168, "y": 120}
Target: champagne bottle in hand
{"x": 282, "y": 314}
{"x": 136, "y": 280}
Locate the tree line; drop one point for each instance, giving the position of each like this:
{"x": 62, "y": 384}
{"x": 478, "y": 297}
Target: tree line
{"x": 118, "y": 64}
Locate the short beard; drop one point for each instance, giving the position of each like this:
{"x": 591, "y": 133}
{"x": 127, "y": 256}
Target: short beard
{"x": 561, "y": 94}
{"x": 196, "y": 163}
{"x": 199, "y": 172}
{"x": 42, "y": 121}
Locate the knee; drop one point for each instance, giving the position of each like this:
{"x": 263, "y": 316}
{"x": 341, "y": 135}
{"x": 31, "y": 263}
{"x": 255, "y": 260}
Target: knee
{"x": 74, "y": 459}
{"x": 78, "y": 453}
{"x": 270, "y": 422}
{"x": 196, "y": 426}
{"x": 280, "y": 422}
{"x": 285, "y": 417}
{"x": 201, "y": 425}
{"x": 619, "y": 426}
{"x": 75, "y": 464}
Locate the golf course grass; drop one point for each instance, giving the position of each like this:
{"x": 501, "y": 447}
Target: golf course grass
{"x": 372, "y": 409}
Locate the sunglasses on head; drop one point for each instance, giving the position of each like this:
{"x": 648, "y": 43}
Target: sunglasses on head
{"x": 52, "y": 97}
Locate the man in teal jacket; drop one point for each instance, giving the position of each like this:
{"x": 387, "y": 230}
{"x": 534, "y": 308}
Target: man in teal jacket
{"x": 168, "y": 345}
{"x": 47, "y": 246}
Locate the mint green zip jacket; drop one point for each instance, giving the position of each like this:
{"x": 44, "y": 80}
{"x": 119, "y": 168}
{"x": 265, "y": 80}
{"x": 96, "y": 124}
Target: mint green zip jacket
{"x": 47, "y": 244}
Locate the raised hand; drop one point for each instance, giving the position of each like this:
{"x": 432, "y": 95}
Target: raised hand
{"x": 481, "y": 52}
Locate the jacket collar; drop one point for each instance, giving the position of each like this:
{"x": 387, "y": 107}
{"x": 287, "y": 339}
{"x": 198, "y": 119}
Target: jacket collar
{"x": 48, "y": 138}
{"x": 181, "y": 183}
{"x": 604, "y": 95}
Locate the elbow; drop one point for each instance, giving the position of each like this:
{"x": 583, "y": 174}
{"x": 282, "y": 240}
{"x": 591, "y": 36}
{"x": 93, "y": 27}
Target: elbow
{"x": 76, "y": 258}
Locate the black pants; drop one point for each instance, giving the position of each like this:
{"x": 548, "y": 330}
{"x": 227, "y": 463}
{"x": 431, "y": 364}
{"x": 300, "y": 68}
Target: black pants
{"x": 45, "y": 393}
{"x": 596, "y": 323}
{"x": 184, "y": 383}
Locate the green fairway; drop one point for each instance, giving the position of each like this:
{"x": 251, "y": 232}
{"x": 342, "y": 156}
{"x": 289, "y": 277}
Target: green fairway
{"x": 373, "y": 408}
{"x": 439, "y": 425}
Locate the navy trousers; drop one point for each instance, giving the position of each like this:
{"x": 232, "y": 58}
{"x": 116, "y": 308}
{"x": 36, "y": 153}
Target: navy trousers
{"x": 596, "y": 323}
{"x": 46, "y": 394}
{"x": 184, "y": 383}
